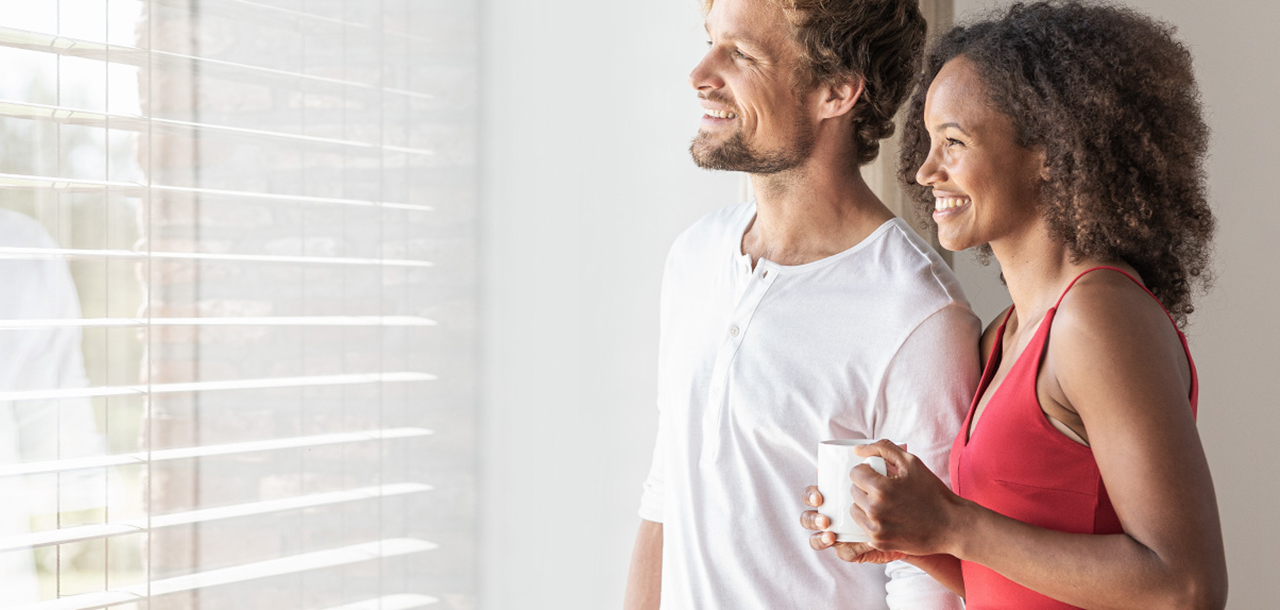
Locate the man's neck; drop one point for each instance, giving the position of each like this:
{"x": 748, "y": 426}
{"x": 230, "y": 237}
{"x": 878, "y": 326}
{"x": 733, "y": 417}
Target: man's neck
{"x": 808, "y": 213}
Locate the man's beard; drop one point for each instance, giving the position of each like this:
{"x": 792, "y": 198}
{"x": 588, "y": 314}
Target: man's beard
{"x": 736, "y": 155}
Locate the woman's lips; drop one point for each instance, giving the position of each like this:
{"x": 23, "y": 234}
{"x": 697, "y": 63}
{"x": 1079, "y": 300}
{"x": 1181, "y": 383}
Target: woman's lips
{"x": 947, "y": 206}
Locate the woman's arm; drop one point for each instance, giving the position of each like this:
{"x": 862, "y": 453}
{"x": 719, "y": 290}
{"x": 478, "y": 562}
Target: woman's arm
{"x": 1115, "y": 360}
{"x": 943, "y": 568}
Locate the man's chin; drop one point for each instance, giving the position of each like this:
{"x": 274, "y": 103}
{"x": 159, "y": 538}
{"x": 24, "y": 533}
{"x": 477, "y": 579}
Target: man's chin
{"x": 706, "y": 160}
{"x": 734, "y": 155}
{"x": 702, "y": 149}
{"x": 713, "y": 156}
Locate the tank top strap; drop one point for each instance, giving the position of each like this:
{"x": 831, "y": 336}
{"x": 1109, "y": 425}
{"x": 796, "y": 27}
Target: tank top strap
{"x": 993, "y": 356}
{"x": 1000, "y": 331}
{"x": 1121, "y": 272}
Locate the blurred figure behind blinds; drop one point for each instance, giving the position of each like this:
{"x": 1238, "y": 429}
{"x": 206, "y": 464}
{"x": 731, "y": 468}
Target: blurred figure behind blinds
{"x": 32, "y": 359}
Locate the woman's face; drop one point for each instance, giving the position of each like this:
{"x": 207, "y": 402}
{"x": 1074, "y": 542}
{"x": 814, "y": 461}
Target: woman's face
{"x": 984, "y": 183}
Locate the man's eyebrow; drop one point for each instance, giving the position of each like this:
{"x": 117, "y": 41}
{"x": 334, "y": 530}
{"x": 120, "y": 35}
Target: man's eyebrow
{"x": 747, "y": 40}
{"x": 956, "y": 125}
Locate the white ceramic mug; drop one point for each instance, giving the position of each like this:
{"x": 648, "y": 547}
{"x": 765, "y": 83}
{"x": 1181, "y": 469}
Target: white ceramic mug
{"x": 835, "y": 459}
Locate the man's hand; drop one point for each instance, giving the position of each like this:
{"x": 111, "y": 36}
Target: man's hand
{"x": 853, "y": 552}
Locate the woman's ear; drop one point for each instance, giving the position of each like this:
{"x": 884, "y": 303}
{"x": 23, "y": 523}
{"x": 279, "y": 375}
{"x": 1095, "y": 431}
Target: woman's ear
{"x": 1041, "y": 160}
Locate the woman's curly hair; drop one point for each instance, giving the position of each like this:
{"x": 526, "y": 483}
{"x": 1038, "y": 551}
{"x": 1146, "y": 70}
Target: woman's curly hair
{"x": 1111, "y": 97}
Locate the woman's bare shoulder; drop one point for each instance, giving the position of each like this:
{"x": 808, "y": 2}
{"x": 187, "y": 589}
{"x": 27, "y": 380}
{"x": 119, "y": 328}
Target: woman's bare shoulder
{"x": 1109, "y": 325}
{"x": 992, "y": 334}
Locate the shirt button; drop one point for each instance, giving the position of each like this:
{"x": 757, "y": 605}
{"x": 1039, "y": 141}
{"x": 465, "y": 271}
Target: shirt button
{"x": 733, "y": 331}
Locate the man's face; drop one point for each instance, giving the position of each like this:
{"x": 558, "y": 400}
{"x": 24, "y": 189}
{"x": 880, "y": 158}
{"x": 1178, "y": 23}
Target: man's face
{"x": 754, "y": 120}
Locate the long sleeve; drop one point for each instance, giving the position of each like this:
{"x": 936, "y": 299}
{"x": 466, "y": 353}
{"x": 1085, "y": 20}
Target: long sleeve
{"x": 651, "y": 499}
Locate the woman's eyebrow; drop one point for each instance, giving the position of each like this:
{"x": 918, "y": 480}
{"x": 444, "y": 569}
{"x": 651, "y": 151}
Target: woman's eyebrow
{"x": 956, "y": 125}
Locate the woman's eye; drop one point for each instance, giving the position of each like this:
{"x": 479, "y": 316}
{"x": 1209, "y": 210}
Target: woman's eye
{"x": 954, "y": 142}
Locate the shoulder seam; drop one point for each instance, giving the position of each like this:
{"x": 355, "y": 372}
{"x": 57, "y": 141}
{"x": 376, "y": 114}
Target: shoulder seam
{"x": 933, "y": 271}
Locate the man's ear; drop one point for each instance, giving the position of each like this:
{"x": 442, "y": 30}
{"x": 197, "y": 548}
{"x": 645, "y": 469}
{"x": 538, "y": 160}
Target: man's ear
{"x": 839, "y": 97}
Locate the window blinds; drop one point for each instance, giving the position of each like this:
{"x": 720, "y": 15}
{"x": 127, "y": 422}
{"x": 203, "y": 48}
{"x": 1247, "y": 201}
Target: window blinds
{"x": 238, "y": 338}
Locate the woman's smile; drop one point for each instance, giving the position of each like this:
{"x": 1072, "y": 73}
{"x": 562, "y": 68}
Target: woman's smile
{"x": 947, "y": 206}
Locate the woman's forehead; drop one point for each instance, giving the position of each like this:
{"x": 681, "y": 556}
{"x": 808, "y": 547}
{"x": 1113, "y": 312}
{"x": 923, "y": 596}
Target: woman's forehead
{"x": 959, "y": 91}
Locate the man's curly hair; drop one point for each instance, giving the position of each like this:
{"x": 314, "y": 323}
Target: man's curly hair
{"x": 1111, "y": 97}
{"x": 879, "y": 40}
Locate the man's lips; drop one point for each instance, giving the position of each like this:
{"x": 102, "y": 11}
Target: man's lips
{"x": 718, "y": 113}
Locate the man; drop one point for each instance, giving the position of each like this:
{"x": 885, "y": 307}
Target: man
{"x": 810, "y": 313}
{"x": 33, "y": 430}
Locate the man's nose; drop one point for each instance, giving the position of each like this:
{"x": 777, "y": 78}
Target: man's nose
{"x": 704, "y": 76}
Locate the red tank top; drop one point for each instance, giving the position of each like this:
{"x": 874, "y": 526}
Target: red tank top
{"x": 1017, "y": 464}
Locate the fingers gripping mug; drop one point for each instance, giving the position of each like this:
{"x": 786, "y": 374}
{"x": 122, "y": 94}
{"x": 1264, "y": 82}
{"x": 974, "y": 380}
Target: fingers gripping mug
{"x": 835, "y": 459}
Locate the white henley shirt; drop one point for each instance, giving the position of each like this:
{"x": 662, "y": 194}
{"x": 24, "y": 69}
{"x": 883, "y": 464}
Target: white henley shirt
{"x": 756, "y": 366}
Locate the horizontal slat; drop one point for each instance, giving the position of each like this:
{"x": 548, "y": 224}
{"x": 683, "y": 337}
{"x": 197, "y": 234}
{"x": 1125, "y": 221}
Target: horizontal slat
{"x": 161, "y": 455}
{"x": 402, "y": 601}
{"x": 71, "y": 116}
{"x": 78, "y": 533}
{"x": 90, "y": 118}
{"x": 209, "y": 386}
{"x": 257, "y": 12}
{"x": 340, "y": 321}
{"x": 282, "y": 136}
{"x": 133, "y": 189}
{"x": 142, "y": 58}
{"x": 208, "y": 192}
{"x": 296, "y": 564}
{"x": 70, "y": 185}
{"x": 92, "y": 532}
{"x": 13, "y": 253}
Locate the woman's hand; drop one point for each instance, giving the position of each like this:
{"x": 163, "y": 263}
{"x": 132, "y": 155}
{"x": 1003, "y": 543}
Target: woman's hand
{"x": 853, "y": 552}
{"x": 910, "y": 511}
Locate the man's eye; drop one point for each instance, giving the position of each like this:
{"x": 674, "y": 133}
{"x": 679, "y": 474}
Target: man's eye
{"x": 954, "y": 142}
{"x": 740, "y": 54}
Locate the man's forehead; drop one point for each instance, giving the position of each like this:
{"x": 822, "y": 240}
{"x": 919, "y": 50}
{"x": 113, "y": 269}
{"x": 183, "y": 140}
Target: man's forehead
{"x": 762, "y": 22}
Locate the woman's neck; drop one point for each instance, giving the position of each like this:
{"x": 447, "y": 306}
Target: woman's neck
{"x": 1036, "y": 268}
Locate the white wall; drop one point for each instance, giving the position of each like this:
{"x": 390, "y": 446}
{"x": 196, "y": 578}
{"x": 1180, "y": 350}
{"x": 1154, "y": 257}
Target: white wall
{"x": 1235, "y": 333}
{"x": 586, "y": 117}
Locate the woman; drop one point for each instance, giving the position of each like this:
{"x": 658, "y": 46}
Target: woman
{"x": 1067, "y": 137}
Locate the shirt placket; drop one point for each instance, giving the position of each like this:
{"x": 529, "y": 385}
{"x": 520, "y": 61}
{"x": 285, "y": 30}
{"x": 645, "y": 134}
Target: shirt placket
{"x": 716, "y": 417}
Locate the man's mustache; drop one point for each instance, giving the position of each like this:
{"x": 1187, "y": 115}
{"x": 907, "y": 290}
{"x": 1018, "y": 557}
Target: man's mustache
{"x": 718, "y": 98}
